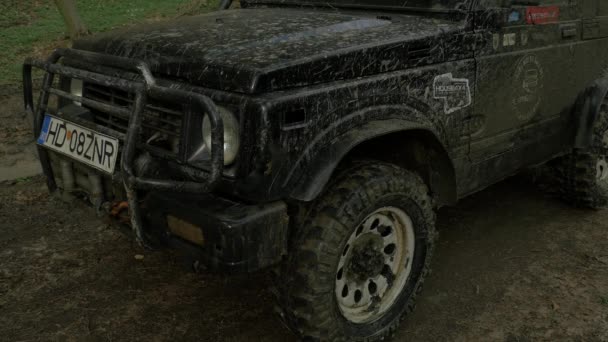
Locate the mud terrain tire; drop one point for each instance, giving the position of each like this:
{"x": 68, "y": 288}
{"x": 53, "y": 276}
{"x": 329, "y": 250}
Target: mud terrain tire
{"x": 308, "y": 283}
{"x": 584, "y": 172}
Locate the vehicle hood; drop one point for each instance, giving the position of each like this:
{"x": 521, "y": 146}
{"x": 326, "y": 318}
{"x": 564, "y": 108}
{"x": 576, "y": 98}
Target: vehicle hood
{"x": 260, "y": 50}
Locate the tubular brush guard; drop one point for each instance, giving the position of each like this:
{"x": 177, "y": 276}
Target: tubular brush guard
{"x": 143, "y": 89}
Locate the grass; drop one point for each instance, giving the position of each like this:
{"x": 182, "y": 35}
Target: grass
{"x": 23, "y": 180}
{"x": 35, "y": 27}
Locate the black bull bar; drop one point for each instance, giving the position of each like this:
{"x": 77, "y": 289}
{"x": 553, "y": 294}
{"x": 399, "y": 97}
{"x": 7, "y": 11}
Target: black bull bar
{"x": 146, "y": 87}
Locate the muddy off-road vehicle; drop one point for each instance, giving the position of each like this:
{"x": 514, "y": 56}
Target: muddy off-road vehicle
{"x": 317, "y": 138}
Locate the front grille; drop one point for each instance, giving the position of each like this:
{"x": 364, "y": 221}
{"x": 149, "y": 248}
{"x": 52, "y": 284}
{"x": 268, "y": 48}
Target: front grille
{"x": 161, "y": 124}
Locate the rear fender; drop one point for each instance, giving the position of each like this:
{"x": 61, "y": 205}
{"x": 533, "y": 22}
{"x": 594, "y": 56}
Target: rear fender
{"x": 587, "y": 111}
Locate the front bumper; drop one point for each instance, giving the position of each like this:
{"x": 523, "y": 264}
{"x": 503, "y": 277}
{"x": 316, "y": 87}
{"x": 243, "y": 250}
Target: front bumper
{"x": 223, "y": 235}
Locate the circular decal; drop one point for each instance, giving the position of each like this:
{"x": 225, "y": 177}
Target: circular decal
{"x": 528, "y": 84}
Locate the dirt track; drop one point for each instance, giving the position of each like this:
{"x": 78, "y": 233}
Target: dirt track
{"x": 512, "y": 265}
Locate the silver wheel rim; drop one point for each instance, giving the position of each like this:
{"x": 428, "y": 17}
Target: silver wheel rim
{"x": 375, "y": 265}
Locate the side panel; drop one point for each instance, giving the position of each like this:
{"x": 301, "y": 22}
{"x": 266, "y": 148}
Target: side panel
{"x": 595, "y": 19}
{"x": 592, "y": 55}
{"x": 525, "y": 89}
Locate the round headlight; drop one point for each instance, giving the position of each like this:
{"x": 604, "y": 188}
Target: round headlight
{"x": 76, "y": 87}
{"x": 231, "y": 134}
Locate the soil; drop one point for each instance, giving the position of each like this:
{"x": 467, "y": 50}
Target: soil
{"x": 18, "y": 156}
{"x": 512, "y": 265}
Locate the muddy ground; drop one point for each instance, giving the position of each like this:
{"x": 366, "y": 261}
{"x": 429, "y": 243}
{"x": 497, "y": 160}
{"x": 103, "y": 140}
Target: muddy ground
{"x": 17, "y": 150}
{"x": 512, "y": 265}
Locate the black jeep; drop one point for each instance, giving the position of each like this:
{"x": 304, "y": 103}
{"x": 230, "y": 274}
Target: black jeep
{"x": 318, "y": 137}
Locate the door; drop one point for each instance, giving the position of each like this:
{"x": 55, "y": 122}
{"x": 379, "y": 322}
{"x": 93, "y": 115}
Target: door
{"x": 524, "y": 64}
{"x": 595, "y": 19}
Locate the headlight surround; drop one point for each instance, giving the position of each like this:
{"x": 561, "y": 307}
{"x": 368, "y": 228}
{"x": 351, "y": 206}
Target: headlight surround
{"x": 232, "y": 140}
{"x": 76, "y": 89}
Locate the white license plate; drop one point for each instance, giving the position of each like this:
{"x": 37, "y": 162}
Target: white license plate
{"x": 92, "y": 148}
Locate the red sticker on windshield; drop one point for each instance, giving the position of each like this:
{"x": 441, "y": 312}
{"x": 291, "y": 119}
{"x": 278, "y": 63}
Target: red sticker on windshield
{"x": 542, "y": 15}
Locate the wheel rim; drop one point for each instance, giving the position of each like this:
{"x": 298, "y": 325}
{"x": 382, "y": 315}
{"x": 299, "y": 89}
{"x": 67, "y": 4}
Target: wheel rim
{"x": 602, "y": 170}
{"x": 601, "y": 165}
{"x": 375, "y": 265}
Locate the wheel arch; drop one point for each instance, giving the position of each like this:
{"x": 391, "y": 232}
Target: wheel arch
{"x": 587, "y": 109}
{"x": 420, "y": 150}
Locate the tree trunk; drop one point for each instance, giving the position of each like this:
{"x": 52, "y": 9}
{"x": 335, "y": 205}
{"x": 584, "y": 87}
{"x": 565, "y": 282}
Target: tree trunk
{"x": 73, "y": 22}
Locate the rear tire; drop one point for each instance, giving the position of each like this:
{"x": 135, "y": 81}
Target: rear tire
{"x": 583, "y": 174}
{"x": 360, "y": 259}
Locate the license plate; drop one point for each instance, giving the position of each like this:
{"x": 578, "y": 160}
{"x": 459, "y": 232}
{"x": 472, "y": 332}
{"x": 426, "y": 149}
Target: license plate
{"x": 92, "y": 148}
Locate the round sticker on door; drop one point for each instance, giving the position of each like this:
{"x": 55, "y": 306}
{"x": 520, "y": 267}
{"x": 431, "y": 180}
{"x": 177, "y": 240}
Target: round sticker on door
{"x": 528, "y": 84}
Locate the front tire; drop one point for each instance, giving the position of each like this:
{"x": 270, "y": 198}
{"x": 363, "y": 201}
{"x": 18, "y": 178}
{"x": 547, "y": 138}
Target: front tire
{"x": 360, "y": 259}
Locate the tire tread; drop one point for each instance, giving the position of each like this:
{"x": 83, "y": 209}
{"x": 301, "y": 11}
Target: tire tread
{"x": 299, "y": 283}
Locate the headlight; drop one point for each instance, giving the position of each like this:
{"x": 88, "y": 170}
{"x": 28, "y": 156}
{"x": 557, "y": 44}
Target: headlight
{"x": 76, "y": 87}
{"x": 232, "y": 141}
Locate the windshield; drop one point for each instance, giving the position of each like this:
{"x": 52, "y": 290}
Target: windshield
{"x": 415, "y": 5}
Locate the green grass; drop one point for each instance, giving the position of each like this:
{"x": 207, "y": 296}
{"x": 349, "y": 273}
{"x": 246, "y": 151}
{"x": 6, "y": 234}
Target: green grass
{"x": 35, "y": 27}
{"x": 22, "y": 180}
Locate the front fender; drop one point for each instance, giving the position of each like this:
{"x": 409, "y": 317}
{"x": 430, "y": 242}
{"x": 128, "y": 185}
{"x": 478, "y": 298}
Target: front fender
{"x": 317, "y": 173}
